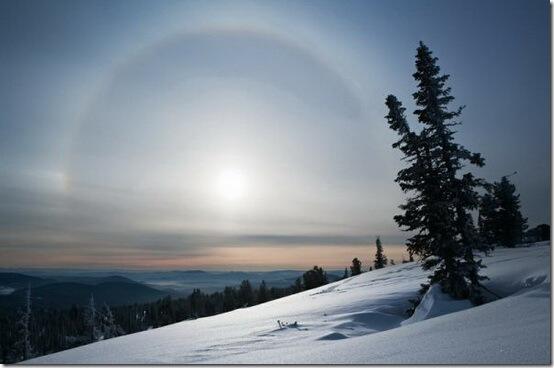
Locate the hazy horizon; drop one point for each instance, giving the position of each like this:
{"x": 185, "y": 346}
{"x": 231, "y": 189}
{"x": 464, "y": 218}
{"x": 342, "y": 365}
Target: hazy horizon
{"x": 346, "y": 254}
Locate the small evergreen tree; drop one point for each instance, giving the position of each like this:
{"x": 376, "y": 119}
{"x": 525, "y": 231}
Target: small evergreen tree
{"x": 263, "y": 295}
{"x": 24, "y": 328}
{"x": 539, "y": 233}
{"x": 345, "y": 275}
{"x": 198, "y": 303}
{"x": 392, "y": 263}
{"x": 298, "y": 285}
{"x": 91, "y": 320}
{"x": 356, "y": 267}
{"x": 230, "y": 299}
{"x": 314, "y": 278}
{"x": 380, "y": 258}
{"x": 543, "y": 232}
{"x": 108, "y": 327}
{"x": 487, "y": 219}
{"x": 500, "y": 219}
{"x": 246, "y": 294}
{"x": 509, "y": 224}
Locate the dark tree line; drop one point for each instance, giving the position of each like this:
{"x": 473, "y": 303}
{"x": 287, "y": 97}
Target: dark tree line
{"x": 31, "y": 332}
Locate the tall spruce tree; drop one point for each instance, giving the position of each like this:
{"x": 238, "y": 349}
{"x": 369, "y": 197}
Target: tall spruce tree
{"x": 438, "y": 210}
{"x": 380, "y": 258}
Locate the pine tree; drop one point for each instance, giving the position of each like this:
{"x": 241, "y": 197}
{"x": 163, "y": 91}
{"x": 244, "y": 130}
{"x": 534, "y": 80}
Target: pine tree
{"x": 246, "y": 294}
{"x": 487, "y": 219}
{"x": 439, "y": 209}
{"x": 543, "y": 232}
{"x": 230, "y": 299}
{"x": 356, "y": 267}
{"x": 24, "y": 328}
{"x": 314, "y": 278}
{"x": 108, "y": 327}
{"x": 298, "y": 285}
{"x": 380, "y": 258}
{"x": 91, "y": 320}
{"x": 508, "y": 223}
{"x": 263, "y": 295}
{"x": 345, "y": 275}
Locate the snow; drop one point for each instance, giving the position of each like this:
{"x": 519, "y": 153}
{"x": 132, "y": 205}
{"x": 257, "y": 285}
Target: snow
{"x": 361, "y": 320}
{"x": 435, "y": 303}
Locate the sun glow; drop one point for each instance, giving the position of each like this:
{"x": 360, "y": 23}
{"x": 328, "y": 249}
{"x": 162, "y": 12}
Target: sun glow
{"x": 231, "y": 184}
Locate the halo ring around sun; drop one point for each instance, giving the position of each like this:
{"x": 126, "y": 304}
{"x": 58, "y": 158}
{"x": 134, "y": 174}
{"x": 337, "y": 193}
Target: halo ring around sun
{"x": 123, "y": 169}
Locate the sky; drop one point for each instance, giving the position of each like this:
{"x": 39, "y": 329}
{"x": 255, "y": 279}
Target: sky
{"x": 246, "y": 134}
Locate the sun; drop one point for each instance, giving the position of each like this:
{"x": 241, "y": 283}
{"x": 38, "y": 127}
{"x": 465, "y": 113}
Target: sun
{"x": 231, "y": 184}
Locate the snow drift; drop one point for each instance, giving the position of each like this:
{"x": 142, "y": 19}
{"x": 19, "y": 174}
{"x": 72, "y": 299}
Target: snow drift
{"x": 361, "y": 320}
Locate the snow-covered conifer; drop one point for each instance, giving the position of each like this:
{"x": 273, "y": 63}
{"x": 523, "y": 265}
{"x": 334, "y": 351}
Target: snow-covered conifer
{"x": 24, "y": 328}
{"x": 438, "y": 212}
{"x": 108, "y": 326}
{"x": 91, "y": 320}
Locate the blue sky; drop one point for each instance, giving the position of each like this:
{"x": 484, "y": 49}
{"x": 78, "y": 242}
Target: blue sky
{"x": 122, "y": 123}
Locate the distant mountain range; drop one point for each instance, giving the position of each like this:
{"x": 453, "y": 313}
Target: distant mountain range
{"x": 63, "y": 288}
{"x": 210, "y": 281}
{"x": 11, "y": 281}
{"x": 66, "y": 291}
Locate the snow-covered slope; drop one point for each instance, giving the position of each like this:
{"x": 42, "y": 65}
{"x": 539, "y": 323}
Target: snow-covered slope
{"x": 361, "y": 320}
